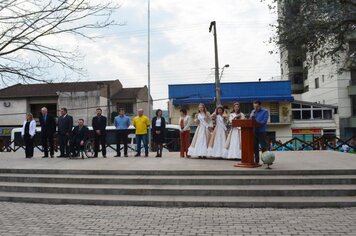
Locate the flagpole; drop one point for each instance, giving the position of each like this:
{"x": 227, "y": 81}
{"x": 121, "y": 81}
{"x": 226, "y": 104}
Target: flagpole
{"x": 149, "y": 68}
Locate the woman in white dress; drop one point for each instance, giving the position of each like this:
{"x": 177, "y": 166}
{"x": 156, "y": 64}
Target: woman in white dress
{"x": 218, "y": 138}
{"x": 199, "y": 145}
{"x": 232, "y": 149}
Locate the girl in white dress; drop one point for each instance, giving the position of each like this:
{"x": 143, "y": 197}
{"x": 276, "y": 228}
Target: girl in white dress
{"x": 232, "y": 149}
{"x": 199, "y": 145}
{"x": 218, "y": 138}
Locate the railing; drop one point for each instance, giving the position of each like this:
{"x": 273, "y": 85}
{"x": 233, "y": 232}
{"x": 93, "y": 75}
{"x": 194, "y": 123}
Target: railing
{"x": 17, "y": 143}
{"x": 325, "y": 142}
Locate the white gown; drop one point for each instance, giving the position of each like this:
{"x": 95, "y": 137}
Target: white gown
{"x": 217, "y": 142}
{"x": 199, "y": 145}
{"x": 232, "y": 149}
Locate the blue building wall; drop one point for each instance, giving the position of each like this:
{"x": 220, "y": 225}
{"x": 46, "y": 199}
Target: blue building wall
{"x": 230, "y": 92}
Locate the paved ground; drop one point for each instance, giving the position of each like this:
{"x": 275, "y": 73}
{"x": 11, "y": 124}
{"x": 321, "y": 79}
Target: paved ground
{"x": 297, "y": 160}
{"x": 37, "y": 219}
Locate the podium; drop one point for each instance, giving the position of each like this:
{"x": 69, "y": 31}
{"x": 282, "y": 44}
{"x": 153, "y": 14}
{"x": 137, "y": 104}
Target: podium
{"x": 247, "y": 142}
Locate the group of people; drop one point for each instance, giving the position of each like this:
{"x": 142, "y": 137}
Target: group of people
{"x": 72, "y": 140}
{"x": 211, "y": 138}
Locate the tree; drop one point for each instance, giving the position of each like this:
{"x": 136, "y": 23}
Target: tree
{"x": 25, "y": 25}
{"x": 321, "y": 29}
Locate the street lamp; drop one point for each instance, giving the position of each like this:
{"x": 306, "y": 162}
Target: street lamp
{"x": 222, "y": 70}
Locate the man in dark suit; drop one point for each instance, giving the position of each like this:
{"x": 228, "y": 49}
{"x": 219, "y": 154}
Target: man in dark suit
{"x": 99, "y": 127}
{"x": 78, "y": 138}
{"x": 65, "y": 125}
{"x": 48, "y": 128}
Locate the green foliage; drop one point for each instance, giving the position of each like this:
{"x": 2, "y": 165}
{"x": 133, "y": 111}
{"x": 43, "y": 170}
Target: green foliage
{"x": 321, "y": 28}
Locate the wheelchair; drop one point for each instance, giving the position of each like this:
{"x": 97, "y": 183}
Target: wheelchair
{"x": 86, "y": 150}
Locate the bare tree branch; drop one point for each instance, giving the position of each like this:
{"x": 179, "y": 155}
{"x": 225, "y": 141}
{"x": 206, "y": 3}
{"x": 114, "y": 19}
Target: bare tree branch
{"x": 25, "y": 24}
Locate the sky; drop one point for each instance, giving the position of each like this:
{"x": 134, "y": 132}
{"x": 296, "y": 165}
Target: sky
{"x": 182, "y": 49}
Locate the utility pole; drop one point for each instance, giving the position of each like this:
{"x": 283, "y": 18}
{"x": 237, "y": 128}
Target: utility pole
{"x": 217, "y": 77}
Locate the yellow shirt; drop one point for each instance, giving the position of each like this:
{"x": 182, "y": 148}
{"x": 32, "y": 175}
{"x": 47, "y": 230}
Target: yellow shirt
{"x": 141, "y": 123}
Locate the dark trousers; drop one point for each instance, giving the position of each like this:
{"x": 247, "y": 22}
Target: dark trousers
{"x": 47, "y": 139}
{"x": 260, "y": 139}
{"x": 99, "y": 140}
{"x": 121, "y": 138}
{"x": 64, "y": 145}
{"x": 144, "y": 138}
{"x": 75, "y": 147}
{"x": 184, "y": 142}
{"x": 28, "y": 145}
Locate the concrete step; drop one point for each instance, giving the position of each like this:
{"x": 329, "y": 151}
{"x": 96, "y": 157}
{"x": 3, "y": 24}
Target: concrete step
{"x": 238, "y": 171}
{"x": 180, "y": 180}
{"x": 182, "y": 190}
{"x": 180, "y": 201}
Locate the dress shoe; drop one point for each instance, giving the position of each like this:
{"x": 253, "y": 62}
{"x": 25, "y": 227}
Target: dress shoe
{"x": 104, "y": 156}
{"x": 117, "y": 156}
{"x": 137, "y": 155}
{"x": 52, "y": 156}
{"x": 126, "y": 155}
{"x": 44, "y": 156}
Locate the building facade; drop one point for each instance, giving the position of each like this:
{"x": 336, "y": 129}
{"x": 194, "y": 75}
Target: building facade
{"x": 323, "y": 82}
{"x": 80, "y": 98}
{"x": 275, "y": 97}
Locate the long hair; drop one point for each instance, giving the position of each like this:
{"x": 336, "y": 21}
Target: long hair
{"x": 29, "y": 117}
{"x": 219, "y": 107}
{"x": 233, "y": 108}
{"x": 204, "y": 110}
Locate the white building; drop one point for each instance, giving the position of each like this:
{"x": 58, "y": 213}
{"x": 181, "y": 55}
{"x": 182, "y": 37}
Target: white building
{"x": 322, "y": 84}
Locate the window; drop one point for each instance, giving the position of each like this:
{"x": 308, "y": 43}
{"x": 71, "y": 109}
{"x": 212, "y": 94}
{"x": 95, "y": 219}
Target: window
{"x": 315, "y": 60}
{"x": 322, "y": 78}
{"x": 317, "y": 83}
{"x": 308, "y": 112}
{"x": 296, "y": 115}
{"x": 353, "y": 104}
{"x": 306, "y": 88}
{"x": 296, "y": 105}
{"x": 353, "y": 77}
{"x": 327, "y": 114}
{"x": 297, "y": 61}
{"x": 298, "y": 78}
{"x": 127, "y": 106}
{"x": 317, "y": 114}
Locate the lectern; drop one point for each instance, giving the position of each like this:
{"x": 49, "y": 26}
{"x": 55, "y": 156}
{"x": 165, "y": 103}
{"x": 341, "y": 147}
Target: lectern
{"x": 247, "y": 142}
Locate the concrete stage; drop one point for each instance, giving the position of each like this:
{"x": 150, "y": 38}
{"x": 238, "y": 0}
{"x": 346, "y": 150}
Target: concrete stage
{"x": 297, "y": 160}
{"x": 306, "y": 179}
